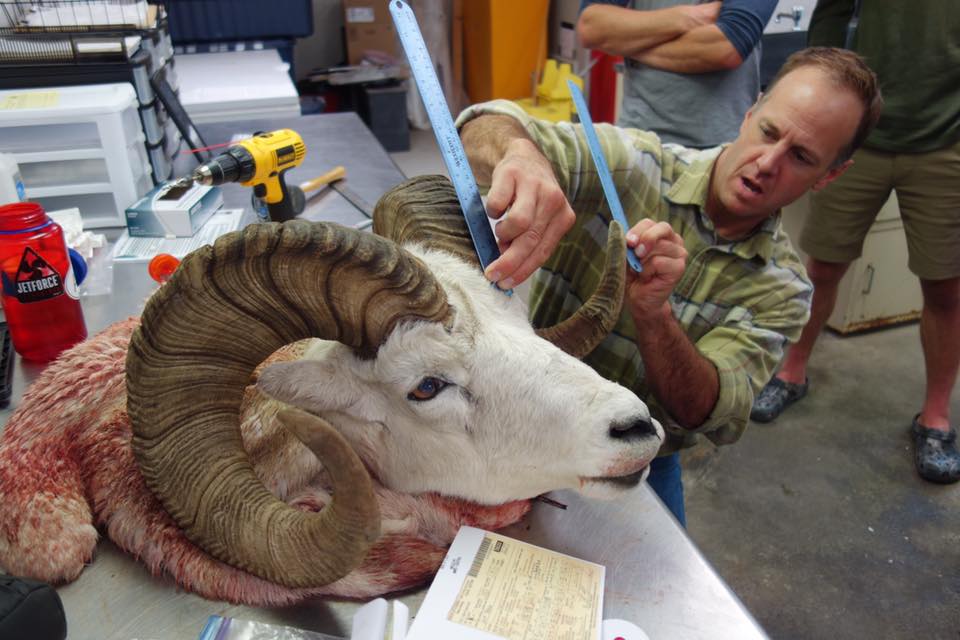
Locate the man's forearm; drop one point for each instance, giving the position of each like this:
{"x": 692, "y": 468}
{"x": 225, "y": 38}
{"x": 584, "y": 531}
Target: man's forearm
{"x": 486, "y": 140}
{"x": 684, "y": 382}
{"x": 628, "y": 32}
{"x": 701, "y": 50}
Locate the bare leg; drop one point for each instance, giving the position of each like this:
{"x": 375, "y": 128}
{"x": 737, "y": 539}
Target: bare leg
{"x": 826, "y": 278}
{"x": 940, "y": 337}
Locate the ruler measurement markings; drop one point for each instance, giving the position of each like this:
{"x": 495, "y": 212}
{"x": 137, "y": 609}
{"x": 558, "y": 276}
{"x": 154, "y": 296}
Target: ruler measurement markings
{"x": 448, "y": 140}
{"x": 603, "y": 171}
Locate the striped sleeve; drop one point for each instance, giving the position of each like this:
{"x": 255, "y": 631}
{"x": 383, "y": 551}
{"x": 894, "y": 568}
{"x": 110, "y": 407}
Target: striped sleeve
{"x": 747, "y": 346}
{"x": 633, "y": 156}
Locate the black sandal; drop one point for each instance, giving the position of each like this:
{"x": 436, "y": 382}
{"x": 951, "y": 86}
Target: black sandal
{"x": 936, "y": 454}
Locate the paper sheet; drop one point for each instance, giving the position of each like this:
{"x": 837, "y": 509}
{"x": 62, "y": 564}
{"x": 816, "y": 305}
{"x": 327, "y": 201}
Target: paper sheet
{"x": 139, "y": 249}
{"x": 31, "y": 100}
{"x": 494, "y": 587}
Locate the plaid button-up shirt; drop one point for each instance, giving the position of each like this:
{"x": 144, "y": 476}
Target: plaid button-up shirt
{"x": 740, "y": 302}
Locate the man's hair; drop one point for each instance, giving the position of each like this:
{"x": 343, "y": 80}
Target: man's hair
{"x": 849, "y": 71}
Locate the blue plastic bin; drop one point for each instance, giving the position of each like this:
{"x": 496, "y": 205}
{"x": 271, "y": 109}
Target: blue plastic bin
{"x": 195, "y": 21}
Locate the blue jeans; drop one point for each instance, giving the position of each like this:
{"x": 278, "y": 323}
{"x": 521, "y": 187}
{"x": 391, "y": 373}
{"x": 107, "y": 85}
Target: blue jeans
{"x": 665, "y": 480}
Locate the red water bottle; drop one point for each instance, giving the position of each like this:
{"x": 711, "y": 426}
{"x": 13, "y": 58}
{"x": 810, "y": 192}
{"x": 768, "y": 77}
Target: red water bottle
{"x": 40, "y": 297}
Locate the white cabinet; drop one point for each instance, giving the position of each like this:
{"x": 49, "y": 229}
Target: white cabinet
{"x": 878, "y": 290}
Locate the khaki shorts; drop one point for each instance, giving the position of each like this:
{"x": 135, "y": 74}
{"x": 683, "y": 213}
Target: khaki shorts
{"x": 928, "y": 190}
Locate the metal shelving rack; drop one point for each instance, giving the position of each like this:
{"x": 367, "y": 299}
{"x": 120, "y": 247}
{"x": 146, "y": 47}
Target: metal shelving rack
{"x": 65, "y": 31}
{"x": 46, "y": 43}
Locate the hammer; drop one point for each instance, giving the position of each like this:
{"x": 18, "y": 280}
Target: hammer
{"x": 333, "y": 179}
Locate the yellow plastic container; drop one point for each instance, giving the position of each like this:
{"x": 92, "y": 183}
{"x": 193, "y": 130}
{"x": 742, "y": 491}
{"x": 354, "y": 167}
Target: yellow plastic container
{"x": 553, "y": 101}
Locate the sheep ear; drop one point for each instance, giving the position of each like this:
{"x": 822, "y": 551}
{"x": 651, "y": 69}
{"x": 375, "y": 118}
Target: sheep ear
{"x": 314, "y": 385}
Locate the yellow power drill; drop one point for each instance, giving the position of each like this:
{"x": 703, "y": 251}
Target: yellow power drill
{"x": 259, "y": 162}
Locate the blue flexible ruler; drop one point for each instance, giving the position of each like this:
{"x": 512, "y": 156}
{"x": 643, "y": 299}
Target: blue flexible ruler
{"x": 454, "y": 156}
{"x": 613, "y": 200}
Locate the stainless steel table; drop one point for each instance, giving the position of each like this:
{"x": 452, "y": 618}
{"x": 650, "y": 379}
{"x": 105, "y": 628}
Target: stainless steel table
{"x": 656, "y": 578}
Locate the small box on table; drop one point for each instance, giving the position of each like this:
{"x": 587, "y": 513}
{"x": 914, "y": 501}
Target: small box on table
{"x": 171, "y": 211}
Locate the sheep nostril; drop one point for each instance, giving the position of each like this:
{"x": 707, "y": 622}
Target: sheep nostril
{"x": 634, "y": 429}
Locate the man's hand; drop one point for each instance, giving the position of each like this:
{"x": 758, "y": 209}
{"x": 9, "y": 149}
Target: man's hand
{"x": 663, "y": 257}
{"x": 532, "y": 210}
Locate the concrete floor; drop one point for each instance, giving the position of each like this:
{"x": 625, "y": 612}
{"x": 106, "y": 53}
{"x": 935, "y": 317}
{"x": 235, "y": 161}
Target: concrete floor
{"x": 818, "y": 521}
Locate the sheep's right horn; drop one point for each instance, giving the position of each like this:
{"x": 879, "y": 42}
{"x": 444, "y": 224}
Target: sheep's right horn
{"x": 225, "y": 310}
{"x": 580, "y": 334}
{"x": 426, "y": 210}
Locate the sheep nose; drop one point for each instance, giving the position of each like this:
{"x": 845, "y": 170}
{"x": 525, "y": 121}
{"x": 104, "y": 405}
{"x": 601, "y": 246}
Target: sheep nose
{"x": 633, "y": 429}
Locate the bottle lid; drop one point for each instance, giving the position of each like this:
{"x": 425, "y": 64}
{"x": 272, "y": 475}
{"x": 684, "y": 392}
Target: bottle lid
{"x": 162, "y": 266}
{"x": 22, "y": 216}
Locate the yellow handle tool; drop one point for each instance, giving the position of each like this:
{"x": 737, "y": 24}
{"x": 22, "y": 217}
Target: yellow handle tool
{"x": 337, "y": 173}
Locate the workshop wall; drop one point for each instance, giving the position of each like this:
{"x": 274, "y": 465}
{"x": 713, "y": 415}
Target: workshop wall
{"x": 325, "y": 47}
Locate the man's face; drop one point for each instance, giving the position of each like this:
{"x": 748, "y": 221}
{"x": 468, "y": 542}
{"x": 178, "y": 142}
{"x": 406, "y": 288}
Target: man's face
{"x": 788, "y": 143}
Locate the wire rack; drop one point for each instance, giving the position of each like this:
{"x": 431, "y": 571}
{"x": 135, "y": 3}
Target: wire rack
{"x": 74, "y": 30}
{"x": 73, "y": 16}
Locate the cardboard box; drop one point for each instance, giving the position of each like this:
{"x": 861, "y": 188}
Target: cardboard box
{"x": 370, "y": 32}
{"x": 366, "y": 12}
{"x": 173, "y": 212}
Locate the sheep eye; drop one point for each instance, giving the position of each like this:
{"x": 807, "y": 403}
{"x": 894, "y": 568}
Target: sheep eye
{"x": 427, "y": 389}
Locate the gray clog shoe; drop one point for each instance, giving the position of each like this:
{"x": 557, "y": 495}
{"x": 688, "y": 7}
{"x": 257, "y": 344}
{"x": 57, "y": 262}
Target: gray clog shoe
{"x": 935, "y": 453}
{"x": 776, "y": 396}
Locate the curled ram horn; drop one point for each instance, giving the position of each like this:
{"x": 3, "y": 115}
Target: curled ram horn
{"x": 426, "y": 210}
{"x": 225, "y": 310}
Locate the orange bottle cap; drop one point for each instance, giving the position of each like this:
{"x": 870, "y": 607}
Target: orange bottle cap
{"x": 162, "y": 266}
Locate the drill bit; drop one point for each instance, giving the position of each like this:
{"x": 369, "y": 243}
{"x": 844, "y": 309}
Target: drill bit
{"x": 185, "y": 181}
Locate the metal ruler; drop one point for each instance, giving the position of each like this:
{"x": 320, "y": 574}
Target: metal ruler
{"x": 454, "y": 156}
{"x": 613, "y": 200}
{"x": 353, "y": 198}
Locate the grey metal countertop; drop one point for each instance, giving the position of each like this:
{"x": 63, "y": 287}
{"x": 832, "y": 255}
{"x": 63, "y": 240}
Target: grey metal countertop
{"x": 656, "y": 577}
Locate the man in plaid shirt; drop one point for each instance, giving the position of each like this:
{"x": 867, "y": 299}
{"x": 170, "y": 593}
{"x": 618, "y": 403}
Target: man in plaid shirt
{"x": 722, "y": 290}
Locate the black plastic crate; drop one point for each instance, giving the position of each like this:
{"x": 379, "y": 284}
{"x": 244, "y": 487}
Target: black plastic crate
{"x": 384, "y": 110}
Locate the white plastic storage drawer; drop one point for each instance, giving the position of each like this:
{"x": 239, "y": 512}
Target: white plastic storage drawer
{"x": 78, "y": 169}
{"x": 84, "y": 143}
